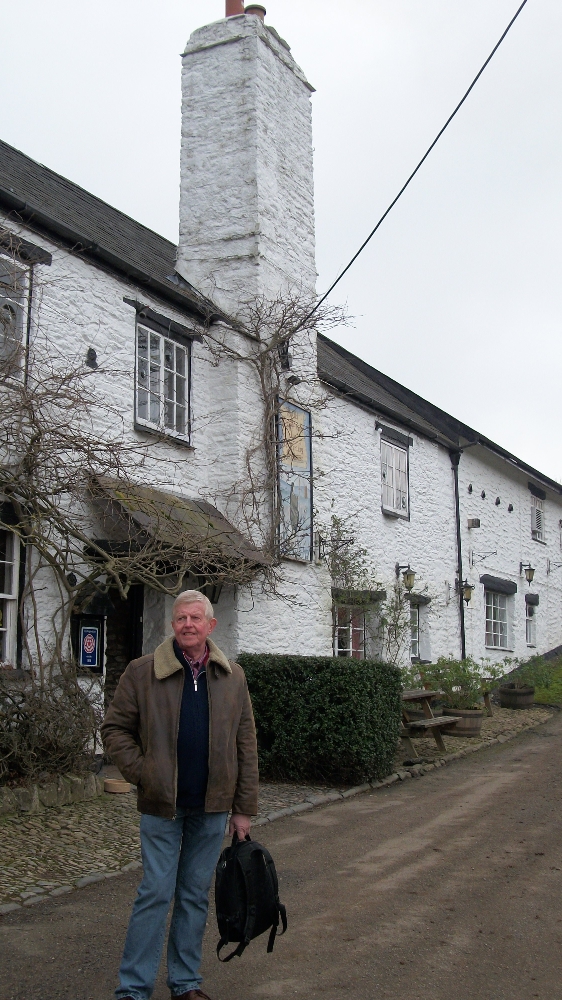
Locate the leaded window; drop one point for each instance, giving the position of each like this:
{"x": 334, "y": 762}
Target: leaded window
{"x": 496, "y": 620}
{"x": 12, "y": 311}
{"x": 9, "y": 566}
{"x": 349, "y": 632}
{"x": 162, "y": 396}
{"x": 394, "y": 476}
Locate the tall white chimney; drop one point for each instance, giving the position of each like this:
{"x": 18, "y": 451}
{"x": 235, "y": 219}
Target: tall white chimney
{"x": 246, "y": 198}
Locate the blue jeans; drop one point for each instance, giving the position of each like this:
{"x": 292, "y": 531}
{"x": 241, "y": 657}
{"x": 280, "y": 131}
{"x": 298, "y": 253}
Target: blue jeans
{"x": 179, "y": 857}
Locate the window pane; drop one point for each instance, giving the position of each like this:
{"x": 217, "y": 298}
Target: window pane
{"x": 169, "y": 354}
{"x": 142, "y": 404}
{"x": 142, "y": 341}
{"x": 169, "y": 414}
{"x": 414, "y": 630}
{"x": 169, "y": 383}
{"x": 154, "y": 415}
{"x": 180, "y": 360}
{"x": 3, "y": 632}
{"x": 180, "y": 419}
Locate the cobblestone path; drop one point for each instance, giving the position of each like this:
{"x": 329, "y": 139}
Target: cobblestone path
{"x": 59, "y": 848}
{"x": 50, "y": 851}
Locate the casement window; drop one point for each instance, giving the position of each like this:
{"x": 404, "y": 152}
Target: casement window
{"x": 349, "y": 632}
{"x": 530, "y": 624}
{"x": 496, "y": 620}
{"x": 415, "y": 631}
{"x": 394, "y": 477}
{"x": 13, "y": 287}
{"x": 294, "y": 451}
{"x": 9, "y": 572}
{"x": 162, "y": 383}
{"x": 537, "y": 519}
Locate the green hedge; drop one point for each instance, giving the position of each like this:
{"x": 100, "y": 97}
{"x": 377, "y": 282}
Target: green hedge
{"x": 324, "y": 719}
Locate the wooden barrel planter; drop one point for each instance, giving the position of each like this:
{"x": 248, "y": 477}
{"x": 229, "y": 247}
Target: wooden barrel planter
{"x": 469, "y": 724}
{"x": 516, "y": 697}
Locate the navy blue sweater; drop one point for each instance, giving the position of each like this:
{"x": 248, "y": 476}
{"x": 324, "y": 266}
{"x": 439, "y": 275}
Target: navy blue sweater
{"x": 193, "y": 739}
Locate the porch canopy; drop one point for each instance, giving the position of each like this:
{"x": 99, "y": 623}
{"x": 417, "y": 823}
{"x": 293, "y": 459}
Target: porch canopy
{"x": 183, "y": 534}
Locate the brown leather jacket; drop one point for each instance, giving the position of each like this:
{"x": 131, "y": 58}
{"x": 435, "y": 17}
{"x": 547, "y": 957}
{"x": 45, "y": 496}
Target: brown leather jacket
{"x": 141, "y": 726}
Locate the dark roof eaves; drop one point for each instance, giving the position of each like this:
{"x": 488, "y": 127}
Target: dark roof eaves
{"x": 77, "y": 242}
{"x": 376, "y": 407}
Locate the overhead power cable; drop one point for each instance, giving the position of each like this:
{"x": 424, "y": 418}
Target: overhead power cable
{"x": 414, "y": 172}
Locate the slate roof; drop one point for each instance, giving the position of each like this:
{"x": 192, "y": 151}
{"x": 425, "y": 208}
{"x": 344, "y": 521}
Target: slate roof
{"x": 51, "y": 204}
{"x": 357, "y": 380}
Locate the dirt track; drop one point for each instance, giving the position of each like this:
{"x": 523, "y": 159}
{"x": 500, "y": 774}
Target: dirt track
{"x": 446, "y": 886}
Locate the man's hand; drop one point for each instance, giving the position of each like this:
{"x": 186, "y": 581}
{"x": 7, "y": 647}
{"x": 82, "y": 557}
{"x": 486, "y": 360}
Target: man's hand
{"x": 240, "y": 825}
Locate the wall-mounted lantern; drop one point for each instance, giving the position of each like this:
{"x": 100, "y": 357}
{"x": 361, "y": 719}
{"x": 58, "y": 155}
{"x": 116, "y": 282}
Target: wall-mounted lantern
{"x": 467, "y": 589}
{"x": 408, "y": 575}
{"x": 529, "y": 572}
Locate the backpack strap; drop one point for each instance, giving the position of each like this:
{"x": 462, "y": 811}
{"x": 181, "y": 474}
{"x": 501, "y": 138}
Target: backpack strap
{"x": 275, "y": 929}
{"x": 237, "y": 951}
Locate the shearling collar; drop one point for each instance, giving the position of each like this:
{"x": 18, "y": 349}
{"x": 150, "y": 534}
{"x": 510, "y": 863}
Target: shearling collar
{"x": 166, "y": 661}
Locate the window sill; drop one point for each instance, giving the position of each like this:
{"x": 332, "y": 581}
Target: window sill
{"x": 539, "y": 541}
{"x": 396, "y": 514}
{"x": 163, "y": 435}
{"x": 501, "y": 649}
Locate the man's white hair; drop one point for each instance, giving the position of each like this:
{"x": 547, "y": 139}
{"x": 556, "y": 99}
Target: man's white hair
{"x": 193, "y": 597}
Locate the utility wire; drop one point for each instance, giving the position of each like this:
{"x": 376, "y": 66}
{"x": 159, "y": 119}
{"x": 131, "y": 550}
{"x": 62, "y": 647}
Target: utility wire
{"x": 414, "y": 172}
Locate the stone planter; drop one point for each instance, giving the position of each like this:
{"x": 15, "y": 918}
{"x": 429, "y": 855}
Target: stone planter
{"x": 516, "y": 697}
{"x": 469, "y": 724}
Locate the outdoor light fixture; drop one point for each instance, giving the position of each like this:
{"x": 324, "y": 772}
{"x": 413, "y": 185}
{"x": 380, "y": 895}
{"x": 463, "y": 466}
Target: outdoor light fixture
{"x": 529, "y": 572}
{"x": 408, "y": 576}
{"x": 467, "y": 589}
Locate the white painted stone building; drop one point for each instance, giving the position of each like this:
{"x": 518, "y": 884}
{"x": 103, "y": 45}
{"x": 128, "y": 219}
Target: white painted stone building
{"x": 412, "y": 486}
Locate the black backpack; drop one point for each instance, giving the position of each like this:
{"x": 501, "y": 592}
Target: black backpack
{"x": 246, "y": 896}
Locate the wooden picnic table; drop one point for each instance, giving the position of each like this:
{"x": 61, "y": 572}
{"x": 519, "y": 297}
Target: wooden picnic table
{"x": 419, "y": 727}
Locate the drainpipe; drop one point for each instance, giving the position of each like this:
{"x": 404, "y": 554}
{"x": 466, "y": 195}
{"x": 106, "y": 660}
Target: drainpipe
{"x": 455, "y": 457}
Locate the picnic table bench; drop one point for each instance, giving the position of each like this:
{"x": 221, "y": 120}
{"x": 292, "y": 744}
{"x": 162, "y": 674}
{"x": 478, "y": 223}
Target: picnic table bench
{"x": 431, "y": 723}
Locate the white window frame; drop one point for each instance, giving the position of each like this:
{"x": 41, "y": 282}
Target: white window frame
{"x": 9, "y": 566}
{"x": 537, "y": 518}
{"x": 531, "y": 624}
{"x": 350, "y": 632}
{"x": 415, "y": 631}
{"x": 394, "y": 479}
{"x": 497, "y": 609}
{"x": 156, "y": 379}
{"x": 15, "y": 300}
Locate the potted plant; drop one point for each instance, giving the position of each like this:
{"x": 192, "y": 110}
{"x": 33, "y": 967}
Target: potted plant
{"x": 518, "y": 689}
{"x": 460, "y": 683}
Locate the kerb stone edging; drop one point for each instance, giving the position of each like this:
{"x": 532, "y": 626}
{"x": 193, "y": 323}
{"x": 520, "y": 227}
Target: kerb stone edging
{"x": 312, "y": 802}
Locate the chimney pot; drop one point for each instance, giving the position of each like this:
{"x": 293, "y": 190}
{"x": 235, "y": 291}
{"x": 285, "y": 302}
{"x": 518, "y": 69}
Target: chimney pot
{"x": 257, "y": 9}
{"x": 234, "y": 7}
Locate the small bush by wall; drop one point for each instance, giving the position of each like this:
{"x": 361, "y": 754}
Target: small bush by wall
{"x": 45, "y": 731}
{"x": 324, "y": 718}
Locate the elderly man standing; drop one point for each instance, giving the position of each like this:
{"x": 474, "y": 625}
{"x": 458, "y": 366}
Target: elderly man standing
{"x": 181, "y": 728}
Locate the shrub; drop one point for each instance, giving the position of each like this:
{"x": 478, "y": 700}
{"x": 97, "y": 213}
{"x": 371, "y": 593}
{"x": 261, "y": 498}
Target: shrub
{"x": 49, "y": 730}
{"x": 324, "y": 719}
{"x": 460, "y": 681}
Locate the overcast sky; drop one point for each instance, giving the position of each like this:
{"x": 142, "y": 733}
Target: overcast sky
{"x": 458, "y": 296}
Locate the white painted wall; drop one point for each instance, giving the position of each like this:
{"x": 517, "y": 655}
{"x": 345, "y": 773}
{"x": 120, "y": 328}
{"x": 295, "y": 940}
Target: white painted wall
{"x": 247, "y": 230}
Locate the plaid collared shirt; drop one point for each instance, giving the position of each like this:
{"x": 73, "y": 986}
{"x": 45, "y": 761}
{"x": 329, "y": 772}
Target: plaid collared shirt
{"x": 196, "y": 666}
